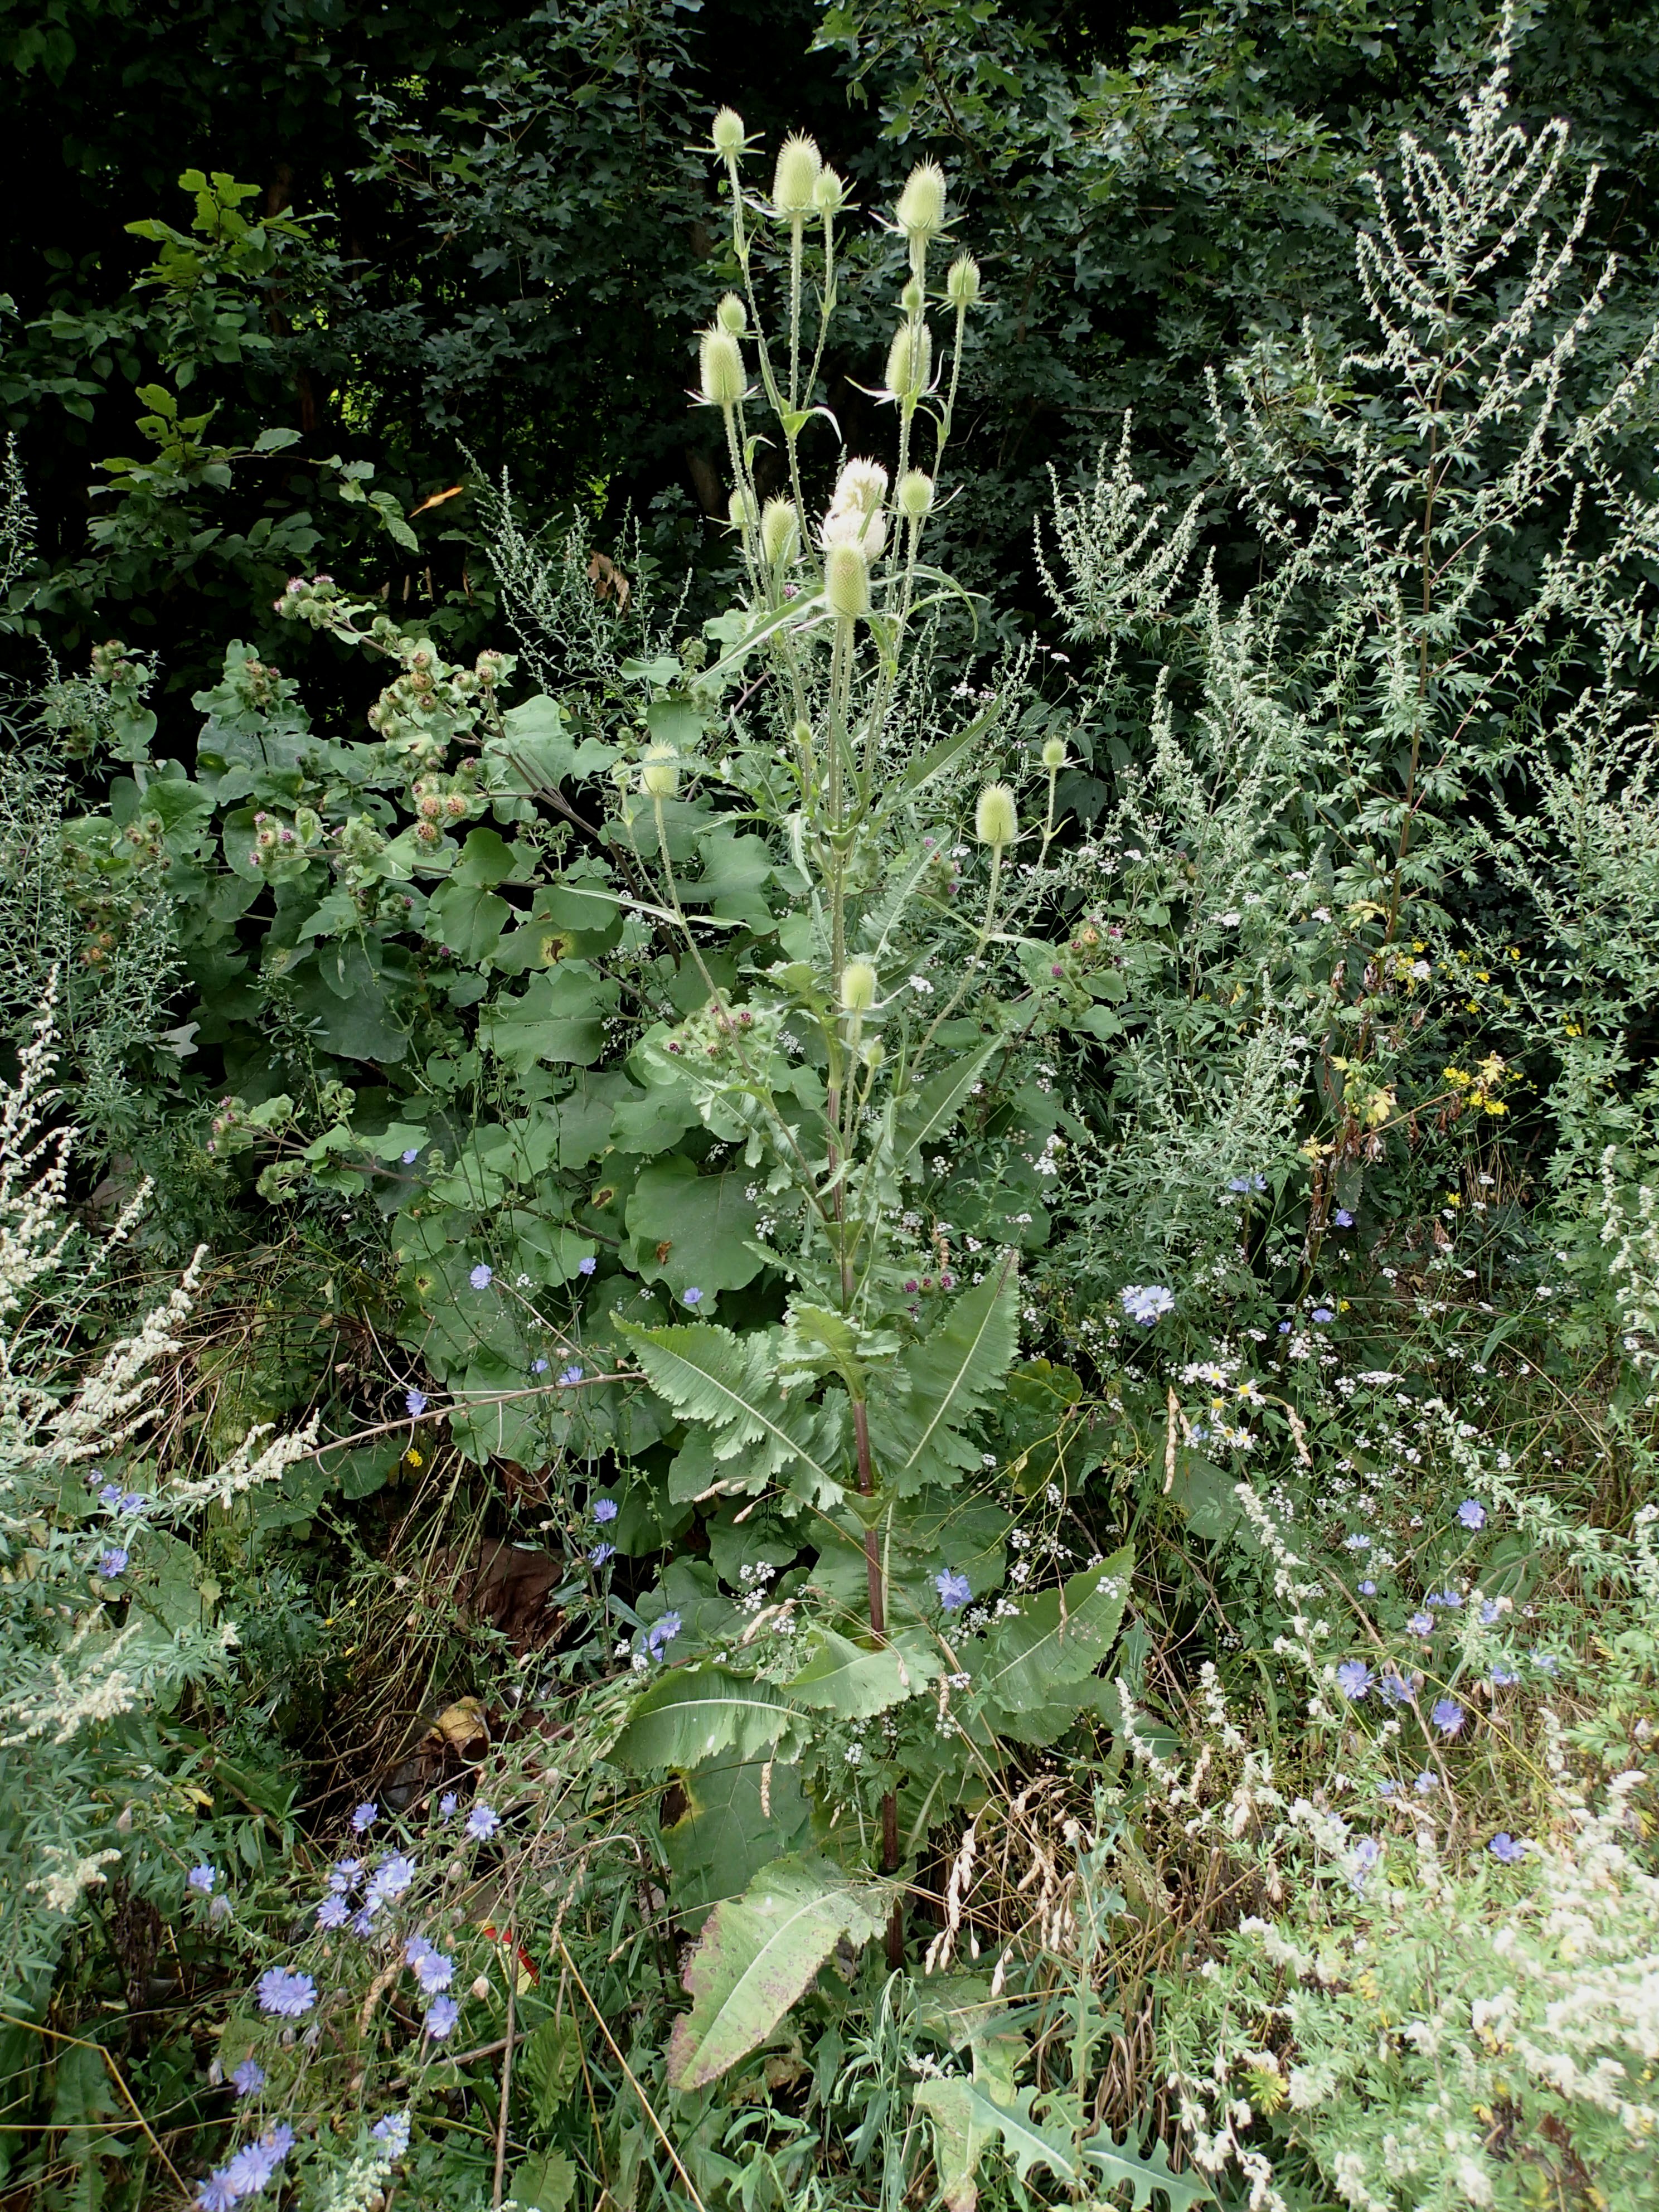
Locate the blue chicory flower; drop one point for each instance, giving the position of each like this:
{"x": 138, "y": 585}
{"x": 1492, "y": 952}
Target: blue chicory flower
{"x": 482, "y": 1276}
{"x": 416, "y": 1402}
{"x": 954, "y": 1589}
{"x": 601, "y": 1553}
{"x": 218, "y": 2193}
{"x": 1503, "y": 1678}
{"x": 447, "y": 1805}
{"x": 411, "y": 1155}
{"x": 571, "y": 1375}
{"x": 662, "y": 1633}
{"x": 249, "y": 2078}
{"x": 1471, "y": 1514}
{"x": 392, "y": 2130}
{"x": 1506, "y": 1848}
{"x": 365, "y": 1817}
{"x": 442, "y": 2016}
{"x": 390, "y": 1879}
{"x": 538, "y": 1367}
{"x": 1355, "y": 1543}
{"x": 202, "y": 1877}
{"x": 289, "y": 1997}
{"x": 1368, "y": 1589}
{"x": 1420, "y": 1624}
{"x": 1247, "y": 1183}
{"x": 1146, "y": 1303}
{"x": 1323, "y": 1314}
{"x": 1354, "y": 1678}
{"x": 113, "y": 1562}
{"x": 1342, "y": 1218}
{"x": 1448, "y": 1716}
{"x": 587, "y": 1266}
{"x": 333, "y": 1911}
{"x": 692, "y": 1297}
{"x": 1425, "y": 1784}
{"x": 604, "y": 1509}
{"x": 344, "y": 1873}
{"x": 482, "y": 1822}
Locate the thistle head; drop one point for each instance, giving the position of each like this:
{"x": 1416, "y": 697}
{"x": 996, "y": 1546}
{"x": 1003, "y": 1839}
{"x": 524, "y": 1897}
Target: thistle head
{"x": 795, "y": 178}
{"x": 779, "y": 532}
{"x": 996, "y": 819}
{"x": 660, "y": 772}
{"x": 962, "y": 283}
{"x": 910, "y": 360}
{"x": 731, "y": 315}
{"x": 728, "y": 134}
{"x": 720, "y": 368}
{"x": 915, "y": 495}
{"x": 921, "y": 210}
{"x": 846, "y": 581}
{"x": 858, "y": 986}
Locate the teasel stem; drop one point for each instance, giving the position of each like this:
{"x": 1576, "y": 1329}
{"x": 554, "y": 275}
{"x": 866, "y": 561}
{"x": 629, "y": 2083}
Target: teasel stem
{"x": 744, "y": 488}
{"x": 797, "y": 233}
{"x": 946, "y": 417}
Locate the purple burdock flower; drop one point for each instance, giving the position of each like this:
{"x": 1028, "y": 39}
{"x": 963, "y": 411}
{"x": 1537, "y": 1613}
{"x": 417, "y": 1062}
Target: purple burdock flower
{"x": 482, "y": 1822}
{"x": 587, "y": 1265}
{"x": 604, "y": 1509}
{"x": 249, "y": 2078}
{"x": 692, "y": 1297}
{"x": 289, "y": 1997}
{"x": 113, "y": 1562}
{"x": 333, "y": 1913}
{"x": 570, "y": 1376}
{"x": 442, "y": 2016}
{"x": 1472, "y": 1514}
{"x": 416, "y": 1402}
{"x": 482, "y": 1276}
{"x": 954, "y": 1589}
{"x": 365, "y": 1817}
{"x": 662, "y": 1633}
{"x": 1323, "y": 1314}
{"x": 1420, "y": 1624}
{"x": 202, "y": 1877}
{"x": 1448, "y": 1716}
{"x": 1506, "y": 1848}
{"x": 1354, "y": 1678}
{"x": 447, "y": 1805}
{"x": 601, "y": 1553}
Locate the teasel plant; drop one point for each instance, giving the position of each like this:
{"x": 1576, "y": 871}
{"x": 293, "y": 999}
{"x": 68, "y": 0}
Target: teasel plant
{"x": 846, "y": 1067}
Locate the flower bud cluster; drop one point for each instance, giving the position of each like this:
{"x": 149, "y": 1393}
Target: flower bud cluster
{"x": 716, "y": 1032}
{"x": 280, "y": 849}
{"x": 441, "y": 803}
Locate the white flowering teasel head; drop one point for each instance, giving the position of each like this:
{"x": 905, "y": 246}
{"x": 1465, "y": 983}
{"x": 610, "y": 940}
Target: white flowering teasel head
{"x": 996, "y": 818}
{"x": 856, "y": 516}
{"x": 915, "y": 495}
{"x": 794, "y": 181}
{"x": 719, "y": 364}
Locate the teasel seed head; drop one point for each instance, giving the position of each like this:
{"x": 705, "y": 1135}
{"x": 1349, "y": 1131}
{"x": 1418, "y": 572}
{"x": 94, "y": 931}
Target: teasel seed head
{"x": 779, "y": 532}
{"x": 795, "y": 177}
{"x": 996, "y": 819}
{"x": 921, "y": 210}
{"x": 910, "y": 360}
{"x": 846, "y": 581}
{"x": 1054, "y": 753}
{"x": 720, "y": 361}
{"x": 858, "y": 986}
{"x": 728, "y": 134}
{"x": 915, "y": 495}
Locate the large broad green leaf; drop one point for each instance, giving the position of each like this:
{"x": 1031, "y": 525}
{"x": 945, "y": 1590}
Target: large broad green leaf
{"x": 730, "y": 1826}
{"x": 1145, "y": 2171}
{"x": 693, "y": 1714}
{"x": 849, "y": 1682}
{"x": 694, "y": 1232}
{"x": 757, "y": 1954}
{"x": 466, "y": 919}
{"x": 916, "y": 1427}
{"x": 967, "y": 2119}
{"x": 756, "y": 1431}
{"x": 560, "y": 1015}
{"x": 546, "y": 2183}
{"x": 1059, "y": 1638}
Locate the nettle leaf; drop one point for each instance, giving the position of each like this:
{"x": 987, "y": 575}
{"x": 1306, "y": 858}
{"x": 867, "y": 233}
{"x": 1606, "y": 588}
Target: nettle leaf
{"x": 693, "y": 1714}
{"x": 758, "y": 1953}
{"x": 691, "y": 1231}
{"x": 1057, "y": 1641}
{"x": 957, "y": 1372}
{"x": 850, "y": 1682}
{"x": 756, "y": 1431}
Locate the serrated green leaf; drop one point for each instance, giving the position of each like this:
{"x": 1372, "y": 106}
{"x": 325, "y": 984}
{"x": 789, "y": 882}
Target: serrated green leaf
{"x": 932, "y": 1114}
{"x": 1145, "y": 2171}
{"x": 546, "y": 2183}
{"x": 1059, "y": 1638}
{"x": 697, "y": 1713}
{"x": 757, "y": 1954}
{"x": 916, "y": 1428}
{"x": 851, "y": 1682}
{"x": 757, "y": 1430}
{"x": 966, "y": 2120}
